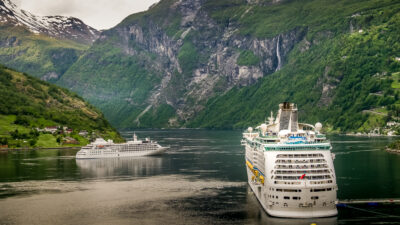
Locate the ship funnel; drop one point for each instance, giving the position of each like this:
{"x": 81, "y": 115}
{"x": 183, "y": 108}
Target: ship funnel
{"x": 288, "y": 117}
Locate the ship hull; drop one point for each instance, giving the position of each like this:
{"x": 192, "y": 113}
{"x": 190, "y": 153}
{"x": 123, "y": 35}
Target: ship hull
{"x": 258, "y": 191}
{"x": 121, "y": 154}
{"x": 273, "y": 202}
{"x": 290, "y": 166}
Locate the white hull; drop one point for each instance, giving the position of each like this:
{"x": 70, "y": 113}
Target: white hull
{"x": 123, "y": 154}
{"x": 287, "y": 212}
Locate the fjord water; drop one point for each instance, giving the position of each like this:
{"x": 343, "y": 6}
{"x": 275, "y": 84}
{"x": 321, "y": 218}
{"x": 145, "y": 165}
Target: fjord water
{"x": 200, "y": 180}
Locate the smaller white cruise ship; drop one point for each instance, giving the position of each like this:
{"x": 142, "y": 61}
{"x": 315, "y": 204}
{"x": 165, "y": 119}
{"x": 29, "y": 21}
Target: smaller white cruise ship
{"x": 108, "y": 149}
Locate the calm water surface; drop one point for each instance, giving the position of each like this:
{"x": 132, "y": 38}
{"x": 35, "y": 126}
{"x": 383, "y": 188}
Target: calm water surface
{"x": 201, "y": 180}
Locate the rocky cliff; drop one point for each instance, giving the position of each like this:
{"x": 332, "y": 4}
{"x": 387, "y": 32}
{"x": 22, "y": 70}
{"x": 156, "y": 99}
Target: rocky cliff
{"x": 189, "y": 55}
{"x": 227, "y": 63}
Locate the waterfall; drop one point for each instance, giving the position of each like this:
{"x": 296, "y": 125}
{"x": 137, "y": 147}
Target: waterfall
{"x": 278, "y": 55}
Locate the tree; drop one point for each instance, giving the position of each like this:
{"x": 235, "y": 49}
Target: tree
{"x": 32, "y": 142}
{"x": 15, "y": 134}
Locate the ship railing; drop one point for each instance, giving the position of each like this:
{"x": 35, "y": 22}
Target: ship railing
{"x": 321, "y": 178}
{"x": 300, "y": 156}
{"x": 300, "y": 161}
{"x": 302, "y": 172}
{"x": 318, "y": 166}
{"x": 304, "y": 182}
{"x": 269, "y": 137}
{"x": 297, "y": 148}
{"x": 294, "y": 141}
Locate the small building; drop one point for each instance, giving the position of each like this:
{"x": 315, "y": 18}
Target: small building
{"x": 52, "y": 129}
{"x": 69, "y": 130}
{"x": 83, "y": 133}
{"x": 70, "y": 140}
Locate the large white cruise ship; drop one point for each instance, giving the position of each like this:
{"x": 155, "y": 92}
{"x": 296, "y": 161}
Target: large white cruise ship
{"x": 108, "y": 149}
{"x": 290, "y": 167}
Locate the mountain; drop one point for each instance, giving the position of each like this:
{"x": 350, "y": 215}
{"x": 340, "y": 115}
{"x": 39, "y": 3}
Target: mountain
{"x": 160, "y": 67}
{"x": 42, "y": 46}
{"x": 60, "y": 27}
{"x": 226, "y": 64}
{"x": 27, "y": 103}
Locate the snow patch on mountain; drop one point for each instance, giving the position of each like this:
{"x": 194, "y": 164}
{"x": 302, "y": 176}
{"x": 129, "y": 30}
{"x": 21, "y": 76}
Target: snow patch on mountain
{"x": 55, "y": 26}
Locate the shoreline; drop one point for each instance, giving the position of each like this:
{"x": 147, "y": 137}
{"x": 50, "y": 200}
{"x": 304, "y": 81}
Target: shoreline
{"x": 392, "y": 150}
{"x": 37, "y": 148}
{"x": 369, "y": 135}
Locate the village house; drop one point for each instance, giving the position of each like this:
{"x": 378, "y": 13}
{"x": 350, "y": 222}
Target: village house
{"x": 52, "y": 129}
{"x": 83, "y": 133}
{"x": 70, "y": 140}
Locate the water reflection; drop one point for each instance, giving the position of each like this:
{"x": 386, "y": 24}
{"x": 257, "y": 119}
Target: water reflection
{"x": 200, "y": 180}
{"x": 134, "y": 166}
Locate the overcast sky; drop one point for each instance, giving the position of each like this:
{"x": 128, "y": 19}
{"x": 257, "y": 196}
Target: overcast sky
{"x": 100, "y": 14}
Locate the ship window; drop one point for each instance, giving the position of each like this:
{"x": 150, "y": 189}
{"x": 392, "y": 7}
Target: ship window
{"x": 286, "y": 197}
{"x": 296, "y": 198}
{"x": 314, "y": 197}
{"x": 285, "y": 205}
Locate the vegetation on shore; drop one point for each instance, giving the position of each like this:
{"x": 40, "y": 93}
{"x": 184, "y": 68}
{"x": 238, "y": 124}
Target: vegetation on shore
{"x": 395, "y": 145}
{"x": 29, "y": 107}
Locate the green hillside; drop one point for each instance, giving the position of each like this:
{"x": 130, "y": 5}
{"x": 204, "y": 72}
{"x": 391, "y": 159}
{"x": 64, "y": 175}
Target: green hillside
{"x": 29, "y": 105}
{"x": 116, "y": 83}
{"x": 345, "y": 72}
{"x": 228, "y": 63}
{"x": 39, "y": 55}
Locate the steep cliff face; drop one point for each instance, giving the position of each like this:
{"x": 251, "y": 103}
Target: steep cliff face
{"x": 224, "y": 64}
{"x": 190, "y": 57}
